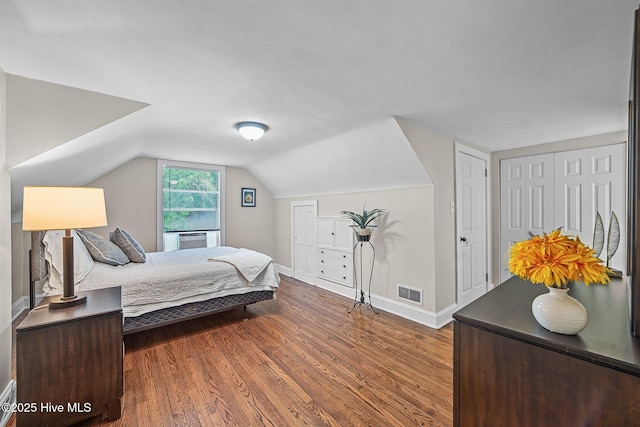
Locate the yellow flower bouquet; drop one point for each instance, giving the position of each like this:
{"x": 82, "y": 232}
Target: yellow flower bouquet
{"x": 555, "y": 259}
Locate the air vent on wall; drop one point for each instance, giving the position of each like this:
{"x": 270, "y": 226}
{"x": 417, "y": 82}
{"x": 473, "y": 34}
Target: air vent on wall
{"x": 410, "y": 294}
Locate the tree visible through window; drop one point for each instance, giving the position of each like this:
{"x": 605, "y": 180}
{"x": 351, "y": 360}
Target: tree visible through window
{"x": 190, "y": 199}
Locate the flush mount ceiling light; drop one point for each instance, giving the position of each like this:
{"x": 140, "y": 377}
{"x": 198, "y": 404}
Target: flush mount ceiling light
{"x": 251, "y": 130}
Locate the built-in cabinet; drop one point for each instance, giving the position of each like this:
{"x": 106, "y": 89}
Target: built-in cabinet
{"x": 335, "y": 250}
{"x": 565, "y": 189}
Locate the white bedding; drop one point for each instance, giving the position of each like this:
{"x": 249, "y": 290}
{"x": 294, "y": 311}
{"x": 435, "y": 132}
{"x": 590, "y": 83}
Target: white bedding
{"x": 249, "y": 263}
{"x": 169, "y": 279}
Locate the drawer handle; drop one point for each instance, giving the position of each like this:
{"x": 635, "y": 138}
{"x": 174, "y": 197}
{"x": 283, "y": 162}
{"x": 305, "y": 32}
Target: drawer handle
{"x": 322, "y": 271}
{"x": 344, "y": 256}
{"x": 344, "y": 266}
{"x": 321, "y": 252}
{"x": 321, "y": 260}
{"x": 344, "y": 278}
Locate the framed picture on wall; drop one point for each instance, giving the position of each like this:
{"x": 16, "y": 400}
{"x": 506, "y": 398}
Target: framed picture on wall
{"x": 249, "y": 197}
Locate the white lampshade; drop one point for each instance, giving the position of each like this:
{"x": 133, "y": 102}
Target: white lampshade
{"x": 251, "y": 130}
{"x": 62, "y": 208}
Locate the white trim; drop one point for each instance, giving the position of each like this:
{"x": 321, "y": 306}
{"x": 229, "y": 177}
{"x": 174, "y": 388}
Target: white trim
{"x": 161, "y": 163}
{"x": 21, "y": 305}
{"x": 415, "y": 314}
{"x": 407, "y": 311}
{"x": 8, "y": 396}
{"x": 336, "y": 288}
{"x": 284, "y": 270}
{"x": 18, "y": 307}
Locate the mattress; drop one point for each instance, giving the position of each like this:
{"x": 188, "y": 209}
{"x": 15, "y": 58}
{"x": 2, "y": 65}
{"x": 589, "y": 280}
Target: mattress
{"x": 169, "y": 279}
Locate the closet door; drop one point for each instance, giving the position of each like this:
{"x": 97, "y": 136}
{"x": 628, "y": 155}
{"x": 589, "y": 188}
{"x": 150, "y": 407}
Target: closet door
{"x": 512, "y": 209}
{"x": 590, "y": 181}
{"x": 571, "y": 193}
{"x": 539, "y": 213}
{"x": 607, "y": 166}
{"x": 526, "y": 202}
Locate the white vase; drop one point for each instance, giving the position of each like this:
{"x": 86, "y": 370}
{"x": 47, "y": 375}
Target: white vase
{"x": 559, "y": 312}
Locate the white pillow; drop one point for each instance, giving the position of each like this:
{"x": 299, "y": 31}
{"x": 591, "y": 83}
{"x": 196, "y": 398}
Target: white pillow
{"x": 82, "y": 261}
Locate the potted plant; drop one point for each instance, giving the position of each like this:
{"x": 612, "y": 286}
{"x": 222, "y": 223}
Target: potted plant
{"x": 362, "y": 222}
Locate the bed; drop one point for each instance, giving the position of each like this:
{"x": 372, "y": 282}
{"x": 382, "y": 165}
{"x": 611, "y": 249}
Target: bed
{"x": 172, "y": 286}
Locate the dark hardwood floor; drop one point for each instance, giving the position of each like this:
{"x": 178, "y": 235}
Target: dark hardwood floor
{"x": 298, "y": 360}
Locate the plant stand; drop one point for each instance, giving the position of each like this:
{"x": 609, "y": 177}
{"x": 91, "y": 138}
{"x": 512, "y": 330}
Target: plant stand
{"x": 358, "y": 281}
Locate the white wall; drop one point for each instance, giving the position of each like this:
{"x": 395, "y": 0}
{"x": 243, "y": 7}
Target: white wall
{"x": 20, "y": 245}
{"x": 246, "y": 227}
{"x": 404, "y": 240}
{"x": 436, "y": 152}
{"x": 5, "y": 247}
{"x": 566, "y": 145}
{"x": 130, "y": 197}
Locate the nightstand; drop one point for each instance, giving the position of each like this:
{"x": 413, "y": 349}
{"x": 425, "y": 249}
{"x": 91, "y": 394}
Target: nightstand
{"x": 69, "y": 362}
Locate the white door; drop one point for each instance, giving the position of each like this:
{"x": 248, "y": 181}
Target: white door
{"x": 326, "y": 233}
{"x": 570, "y": 192}
{"x": 343, "y": 235}
{"x": 607, "y": 167}
{"x": 526, "y": 202}
{"x": 512, "y": 209}
{"x": 304, "y": 249}
{"x": 563, "y": 189}
{"x": 590, "y": 181}
{"x": 471, "y": 227}
{"x": 539, "y": 216}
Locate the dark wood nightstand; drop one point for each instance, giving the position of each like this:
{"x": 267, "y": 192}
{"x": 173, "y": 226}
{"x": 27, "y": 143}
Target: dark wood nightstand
{"x": 69, "y": 362}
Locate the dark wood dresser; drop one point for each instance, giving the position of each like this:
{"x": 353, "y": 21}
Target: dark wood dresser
{"x": 69, "y": 362}
{"x": 510, "y": 371}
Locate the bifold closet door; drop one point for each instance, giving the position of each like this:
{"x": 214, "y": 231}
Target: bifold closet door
{"x": 526, "y": 202}
{"x": 589, "y": 181}
{"x": 512, "y": 207}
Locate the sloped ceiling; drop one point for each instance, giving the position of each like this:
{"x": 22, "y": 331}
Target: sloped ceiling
{"x": 379, "y": 151}
{"x": 498, "y": 74}
{"x": 37, "y": 110}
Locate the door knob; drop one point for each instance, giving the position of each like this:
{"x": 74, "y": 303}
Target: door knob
{"x": 463, "y": 239}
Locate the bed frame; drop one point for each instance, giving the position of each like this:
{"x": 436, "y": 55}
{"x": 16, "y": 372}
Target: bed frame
{"x": 38, "y": 271}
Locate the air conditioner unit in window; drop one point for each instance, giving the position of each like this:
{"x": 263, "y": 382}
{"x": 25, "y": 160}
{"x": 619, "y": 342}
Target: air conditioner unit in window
{"x": 192, "y": 240}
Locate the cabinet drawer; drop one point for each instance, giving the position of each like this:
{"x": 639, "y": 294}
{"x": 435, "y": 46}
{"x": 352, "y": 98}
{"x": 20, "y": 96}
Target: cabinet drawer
{"x": 336, "y": 266}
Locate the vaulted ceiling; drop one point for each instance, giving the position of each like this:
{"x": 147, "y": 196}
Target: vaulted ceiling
{"x": 497, "y": 74}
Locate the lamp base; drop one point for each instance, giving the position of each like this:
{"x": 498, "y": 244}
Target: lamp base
{"x": 65, "y": 302}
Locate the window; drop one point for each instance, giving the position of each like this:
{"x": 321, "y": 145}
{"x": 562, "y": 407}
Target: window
{"x": 190, "y": 205}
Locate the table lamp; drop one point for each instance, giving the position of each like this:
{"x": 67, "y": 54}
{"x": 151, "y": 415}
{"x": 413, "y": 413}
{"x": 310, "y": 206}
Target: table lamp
{"x": 64, "y": 208}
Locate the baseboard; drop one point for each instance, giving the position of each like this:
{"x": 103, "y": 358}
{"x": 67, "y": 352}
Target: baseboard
{"x": 413, "y": 313}
{"x": 444, "y": 317}
{"x": 8, "y": 401}
{"x": 336, "y": 288}
{"x": 410, "y": 312}
{"x": 18, "y": 307}
{"x": 21, "y": 305}
{"x": 284, "y": 270}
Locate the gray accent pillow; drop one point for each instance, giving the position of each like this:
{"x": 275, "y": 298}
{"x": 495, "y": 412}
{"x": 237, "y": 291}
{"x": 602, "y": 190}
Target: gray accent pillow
{"x": 101, "y": 249}
{"x": 128, "y": 244}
